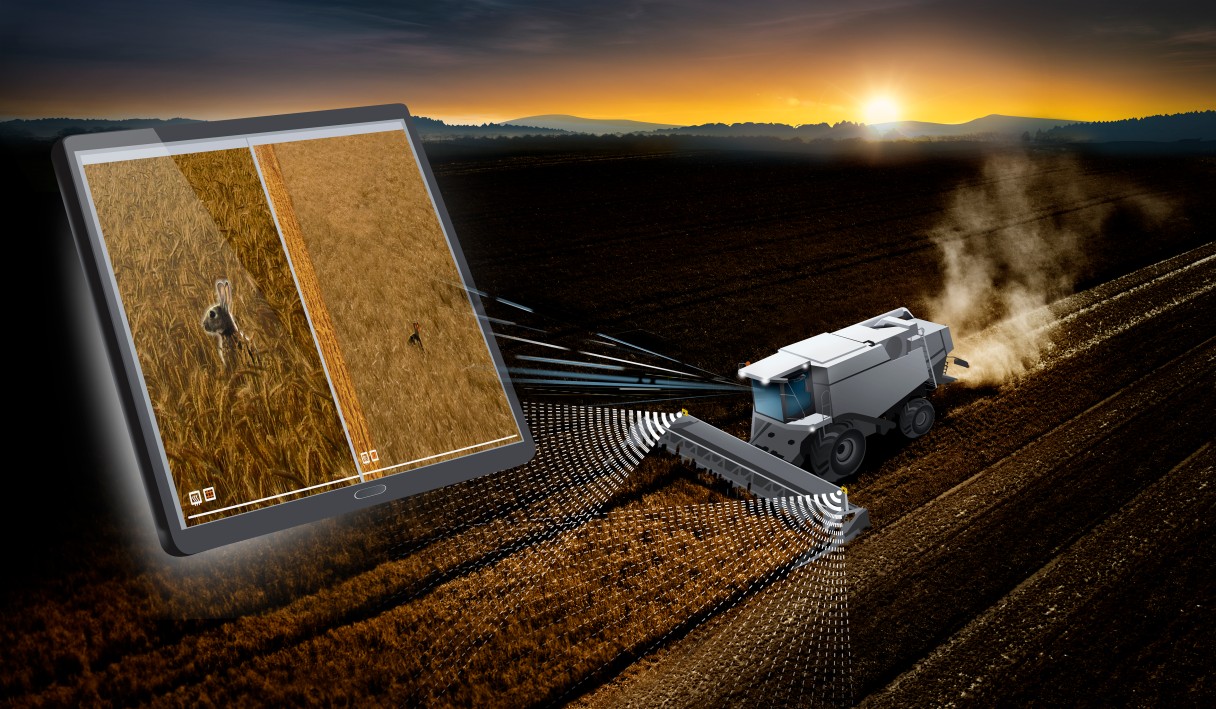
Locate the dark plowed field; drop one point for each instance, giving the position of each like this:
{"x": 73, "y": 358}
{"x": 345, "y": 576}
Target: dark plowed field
{"x": 989, "y": 562}
{"x": 1050, "y": 541}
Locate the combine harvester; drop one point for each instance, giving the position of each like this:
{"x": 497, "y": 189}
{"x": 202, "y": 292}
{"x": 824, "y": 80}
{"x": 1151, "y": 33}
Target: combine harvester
{"x": 816, "y": 401}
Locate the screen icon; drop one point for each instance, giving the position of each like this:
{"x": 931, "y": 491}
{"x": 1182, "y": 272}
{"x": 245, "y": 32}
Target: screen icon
{"x": 209, "y": 494}
{"x": 375, "y": 456}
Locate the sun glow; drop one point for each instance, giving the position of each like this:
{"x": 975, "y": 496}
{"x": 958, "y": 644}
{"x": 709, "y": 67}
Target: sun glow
{"x": 880, "y": 109}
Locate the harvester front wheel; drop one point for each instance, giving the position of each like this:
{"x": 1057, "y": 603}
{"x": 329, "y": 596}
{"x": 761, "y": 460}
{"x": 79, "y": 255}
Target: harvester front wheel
{"x": 839, "y": 455}
{"x": 916, "y": 418}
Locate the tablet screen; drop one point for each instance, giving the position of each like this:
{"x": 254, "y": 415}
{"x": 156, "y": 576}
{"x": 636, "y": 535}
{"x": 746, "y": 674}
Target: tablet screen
{"x": 299, "y": 319}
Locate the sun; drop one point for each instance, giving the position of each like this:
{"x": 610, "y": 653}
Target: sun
{"x": 880, "y": 109}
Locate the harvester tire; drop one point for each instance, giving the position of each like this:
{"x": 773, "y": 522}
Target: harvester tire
{"x": 916, "y": 418}
{"x": 839, "y": 455}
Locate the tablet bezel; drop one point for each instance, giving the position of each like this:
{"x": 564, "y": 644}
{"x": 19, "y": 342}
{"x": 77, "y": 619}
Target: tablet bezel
{"x": 183, "y": 540}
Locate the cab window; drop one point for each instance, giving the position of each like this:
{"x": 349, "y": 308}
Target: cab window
{"x": 783, "y": 401}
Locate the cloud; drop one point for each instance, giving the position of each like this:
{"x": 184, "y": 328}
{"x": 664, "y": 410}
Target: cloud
{"x": 1202, "y": 37}
{"x": 124, "y": 48}
{"x": 130, "y": 31}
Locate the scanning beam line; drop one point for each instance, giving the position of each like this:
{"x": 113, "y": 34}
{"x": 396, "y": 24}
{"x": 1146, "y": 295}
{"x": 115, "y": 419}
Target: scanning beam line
{"x": 623, "y": 378}
{"x": 531, "y": 342}
{"x": 636, "y": 364}
{"x": 698, "y": 386}
{"x": 656, "y": 354}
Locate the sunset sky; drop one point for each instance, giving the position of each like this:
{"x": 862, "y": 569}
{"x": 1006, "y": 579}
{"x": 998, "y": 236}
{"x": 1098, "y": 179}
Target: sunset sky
{"x": 669, "y": 61}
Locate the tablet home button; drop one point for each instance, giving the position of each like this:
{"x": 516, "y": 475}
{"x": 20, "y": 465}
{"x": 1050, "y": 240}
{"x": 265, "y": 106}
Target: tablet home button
{"x": 369, "y": 491}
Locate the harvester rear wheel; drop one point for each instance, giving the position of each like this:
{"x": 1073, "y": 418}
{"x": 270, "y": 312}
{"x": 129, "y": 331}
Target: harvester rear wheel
{"x": 916, "y": 418}
{"x": 839, "y": 455}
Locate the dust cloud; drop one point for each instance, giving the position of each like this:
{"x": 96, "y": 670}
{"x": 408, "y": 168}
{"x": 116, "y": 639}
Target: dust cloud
{"x": 1012, "y": 243}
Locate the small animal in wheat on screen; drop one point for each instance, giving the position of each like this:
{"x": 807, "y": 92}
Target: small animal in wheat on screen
{"x": 220, "y": 323}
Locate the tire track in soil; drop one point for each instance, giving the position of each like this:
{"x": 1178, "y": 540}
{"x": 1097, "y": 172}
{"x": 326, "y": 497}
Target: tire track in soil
{"x": 1122, "y": 350}
{"x": 969, "y": 439}
{"x": 907, "y": 601}
{"x": 1107, "y": 294}
{"x": 1003, "y": 646}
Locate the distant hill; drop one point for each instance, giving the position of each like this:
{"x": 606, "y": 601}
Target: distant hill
{"x": 992, "y": 125}
{"x": 1196, "y": 125}
{"x": 52, "y": 128}
{"x": 1199, "y": 125}
{"x": 596, "y": 126}
{"x": 46, "y": 128}
{"x": 434, "y": 129}
{"x": 810, "y": 131}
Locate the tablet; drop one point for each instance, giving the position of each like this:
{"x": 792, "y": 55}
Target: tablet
{"x": 290, "y": 319}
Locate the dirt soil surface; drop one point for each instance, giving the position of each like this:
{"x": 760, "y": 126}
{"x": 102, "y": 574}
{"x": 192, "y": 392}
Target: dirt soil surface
{"x": 1026, "y": 552}
{"x": 1050, "y": 541}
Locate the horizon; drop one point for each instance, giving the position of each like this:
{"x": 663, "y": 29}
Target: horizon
{"x": 450, "y": 123}
{"x": 477, "y": 121}
{"x": 795, "y": 62}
